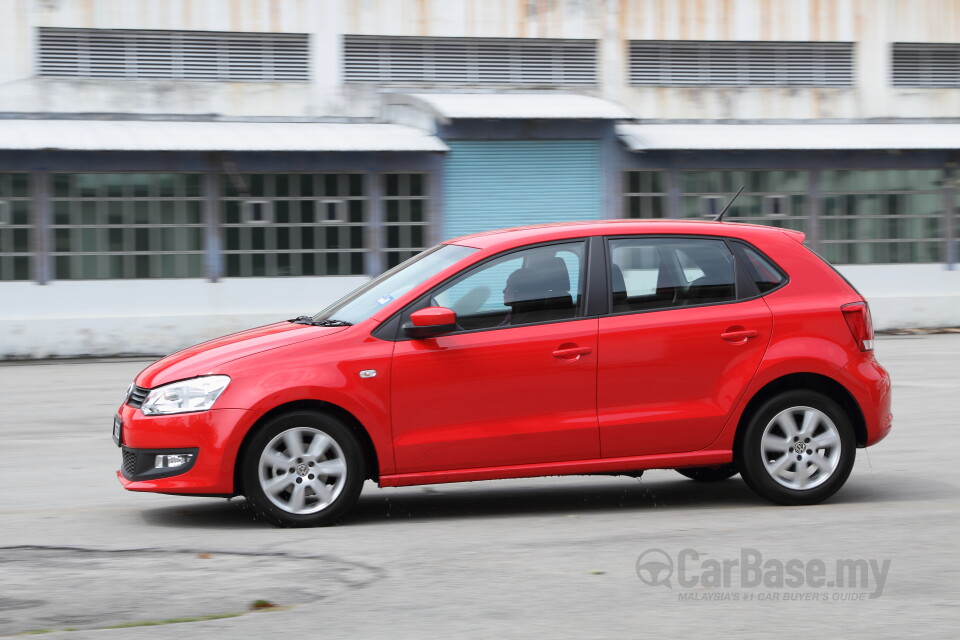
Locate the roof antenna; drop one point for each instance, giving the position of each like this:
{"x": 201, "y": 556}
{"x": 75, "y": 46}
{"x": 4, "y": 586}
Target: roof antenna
{"x": 719, "y": 217}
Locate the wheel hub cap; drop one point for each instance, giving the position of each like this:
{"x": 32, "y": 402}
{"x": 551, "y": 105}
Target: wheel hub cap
{"x": 801, "y": 448}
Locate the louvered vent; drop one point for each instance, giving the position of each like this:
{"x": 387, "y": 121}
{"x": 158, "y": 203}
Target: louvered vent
{"x": 926, "y": 65}
{"x": 177, "y": 55}
{"x": 741, "y": 64}
{"x": 465, "y": 61}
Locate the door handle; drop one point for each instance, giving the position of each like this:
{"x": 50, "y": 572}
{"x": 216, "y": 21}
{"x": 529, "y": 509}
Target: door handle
{"x": 570, "y": 352}
{"x": 740, "y": 336}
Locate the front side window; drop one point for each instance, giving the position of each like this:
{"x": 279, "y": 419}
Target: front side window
{"x": 540, "y": 284}
{"x": 662, "y": 273}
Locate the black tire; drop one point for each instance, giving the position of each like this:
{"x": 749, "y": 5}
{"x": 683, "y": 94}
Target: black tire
{"x": 302, "y": 495}
{"x": 713, "y": 473}
{"x": 792, "y": 468}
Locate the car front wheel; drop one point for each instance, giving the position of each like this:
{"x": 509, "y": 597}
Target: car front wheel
{"x": 797, "y": 449}
{"x": 303, "y": 469}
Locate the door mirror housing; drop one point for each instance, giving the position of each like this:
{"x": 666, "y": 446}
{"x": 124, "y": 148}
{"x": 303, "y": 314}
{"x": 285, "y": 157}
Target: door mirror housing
{"x": 430, "y": 322}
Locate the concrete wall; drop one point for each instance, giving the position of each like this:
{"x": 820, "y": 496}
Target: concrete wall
{"x": 122, "y": 317}
{"x": 154, "y": 317}
{"x": 872, "y": 24}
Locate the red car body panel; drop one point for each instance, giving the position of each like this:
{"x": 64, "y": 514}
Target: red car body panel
{"x": 646, "y": 390}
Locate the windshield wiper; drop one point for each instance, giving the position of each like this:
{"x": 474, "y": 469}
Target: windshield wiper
{"x": 321, "y": 323}
{"x": 330, "y": 322}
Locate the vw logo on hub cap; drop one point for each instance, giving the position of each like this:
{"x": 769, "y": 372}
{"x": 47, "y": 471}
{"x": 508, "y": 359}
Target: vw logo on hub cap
{"x": 800, "y": 447}
{"x": 302, "y": 469}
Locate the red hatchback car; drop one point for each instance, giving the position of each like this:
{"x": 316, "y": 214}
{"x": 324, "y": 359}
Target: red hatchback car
{"x": 603, "y": 347}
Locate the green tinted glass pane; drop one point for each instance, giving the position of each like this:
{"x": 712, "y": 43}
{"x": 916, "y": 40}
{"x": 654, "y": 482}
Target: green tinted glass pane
{"x": 231, "y": 213}
{"x": 88, "y": 212}
{"x": 417, "y": 184}
{"x": 166, "y": 185}
{"x": 140, "y": 185}
{"x": 168, "y": 213}
{"x": 88, "y": 185}
{"x": 393, "y": 210}
{"x": 19, "y": 212}
{"x": 61, "y": 185}
{"x": 355, "y": 211}
{"x": 20, "y": 185}
{"x": 416, "y": 211}
{"x": 281, "y": 186}
{"x": 281, "y": 212}
{"x": 356, "y": 184}
{"x": 306, "y": 186}
{"x": 632, "y": 179}
{"x": 331, "y": 184}
{"x": 114, "y": 184}
{"x": 258, "y": 264}
{"x": 21, "y": 240}
{"x": 356, "y": 237}
{"x": 393, "y": 184}
{"x": 356, "y": 263}
{"x": 258, "y": 238}
{"x": 308, "y": 264}
{"x": 228, "y": 186}
{"x": 61, "y": 240}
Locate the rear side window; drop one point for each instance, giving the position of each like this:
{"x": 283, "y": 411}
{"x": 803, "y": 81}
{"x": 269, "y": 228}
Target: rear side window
{"x": 762, "y": 271}
{"x": 662, "y": 273}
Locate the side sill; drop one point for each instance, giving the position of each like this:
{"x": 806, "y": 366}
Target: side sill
{"x": 574, "y": 467}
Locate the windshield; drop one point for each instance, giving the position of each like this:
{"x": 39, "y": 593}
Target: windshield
{"x": 371, "y": 297}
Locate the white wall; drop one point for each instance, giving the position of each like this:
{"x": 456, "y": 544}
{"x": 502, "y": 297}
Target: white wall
{"x": 872, "y": 24}
{"x": 155, "y": 317}
{"x": 149, "y": 317}
{"x": 908, "y": 295}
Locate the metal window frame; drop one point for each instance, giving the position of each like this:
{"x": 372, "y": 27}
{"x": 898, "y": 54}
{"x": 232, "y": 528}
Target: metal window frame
{"x": 404, "y": 250}
{"x": 240, "y": 260}
{"x": 155, "y": 253}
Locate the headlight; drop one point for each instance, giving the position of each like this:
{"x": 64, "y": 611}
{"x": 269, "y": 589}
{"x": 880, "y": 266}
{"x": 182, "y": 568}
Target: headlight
{"x": 197, "y": 394}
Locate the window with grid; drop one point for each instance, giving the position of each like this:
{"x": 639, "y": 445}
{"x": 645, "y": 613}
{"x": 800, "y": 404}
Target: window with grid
{"x": 499, "y": 61}
{"x": 644, "y": 194}
{"x": 308, "y": 224}
{"x": 405, "y": 225}
{"x": 127, "y": 225}
{"x": 918, "y": 64}
{"x": 774, "y": 198}
{"x": 740, "y": 64}
{"x": 882, "y": 216}
{"x": 16, "y": 233}
{"x": 176, "y": 55}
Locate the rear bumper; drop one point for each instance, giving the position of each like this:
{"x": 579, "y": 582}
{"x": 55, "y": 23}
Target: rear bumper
{"x": 214, "y": 437}
{"x": 869, "y": 383}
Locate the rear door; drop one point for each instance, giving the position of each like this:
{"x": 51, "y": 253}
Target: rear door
{"x": 684, "y": 338}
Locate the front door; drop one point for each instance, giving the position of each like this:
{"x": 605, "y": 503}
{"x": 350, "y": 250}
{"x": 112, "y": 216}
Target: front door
{"x": 516, "y": 383}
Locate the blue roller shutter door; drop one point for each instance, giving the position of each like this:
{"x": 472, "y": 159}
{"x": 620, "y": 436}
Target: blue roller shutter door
{"x": 490, "y": 184}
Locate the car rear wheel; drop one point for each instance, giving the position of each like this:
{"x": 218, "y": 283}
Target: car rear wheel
{"x": 797, "y": 449}
{"x": 303, "y": 469}
{"x": 713, "y": 473}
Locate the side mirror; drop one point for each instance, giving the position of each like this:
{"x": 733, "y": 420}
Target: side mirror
{"x": 430, "y": 322}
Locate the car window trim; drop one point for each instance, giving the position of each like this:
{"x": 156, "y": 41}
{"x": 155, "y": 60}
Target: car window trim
{"x": 391, "y": 328}
{"x": 743, "y": 281}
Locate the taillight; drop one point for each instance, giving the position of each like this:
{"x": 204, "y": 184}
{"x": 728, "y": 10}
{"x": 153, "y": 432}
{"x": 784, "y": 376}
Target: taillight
{"x": 857, "y": 315}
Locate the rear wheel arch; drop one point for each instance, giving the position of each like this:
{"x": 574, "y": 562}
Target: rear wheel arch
{"x": 805, "y": 382}
{"x": 369, "y": 451}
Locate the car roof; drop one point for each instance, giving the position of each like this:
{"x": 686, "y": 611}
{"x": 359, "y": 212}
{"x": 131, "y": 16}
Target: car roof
{"x": 518, "y": 236}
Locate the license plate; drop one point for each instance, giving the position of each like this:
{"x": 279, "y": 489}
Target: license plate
{"x": 117, "y": 430}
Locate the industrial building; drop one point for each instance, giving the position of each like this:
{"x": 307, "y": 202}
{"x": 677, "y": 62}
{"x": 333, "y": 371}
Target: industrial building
{"x": 173, "y": 170}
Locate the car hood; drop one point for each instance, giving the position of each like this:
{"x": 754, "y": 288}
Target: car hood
{"x": 207, "y": 357}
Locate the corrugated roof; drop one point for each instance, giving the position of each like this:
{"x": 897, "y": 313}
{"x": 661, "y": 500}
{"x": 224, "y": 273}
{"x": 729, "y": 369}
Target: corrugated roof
{"x": 532, "y": 106}
{"x": 664, "y": 137}
{"x": 145, "y": 135}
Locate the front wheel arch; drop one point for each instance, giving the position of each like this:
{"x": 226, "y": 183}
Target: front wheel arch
{"x": 369, "y": 451}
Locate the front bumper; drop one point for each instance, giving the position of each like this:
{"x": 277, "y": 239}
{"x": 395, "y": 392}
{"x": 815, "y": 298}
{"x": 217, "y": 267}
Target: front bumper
{"x": 212, "y": 437}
